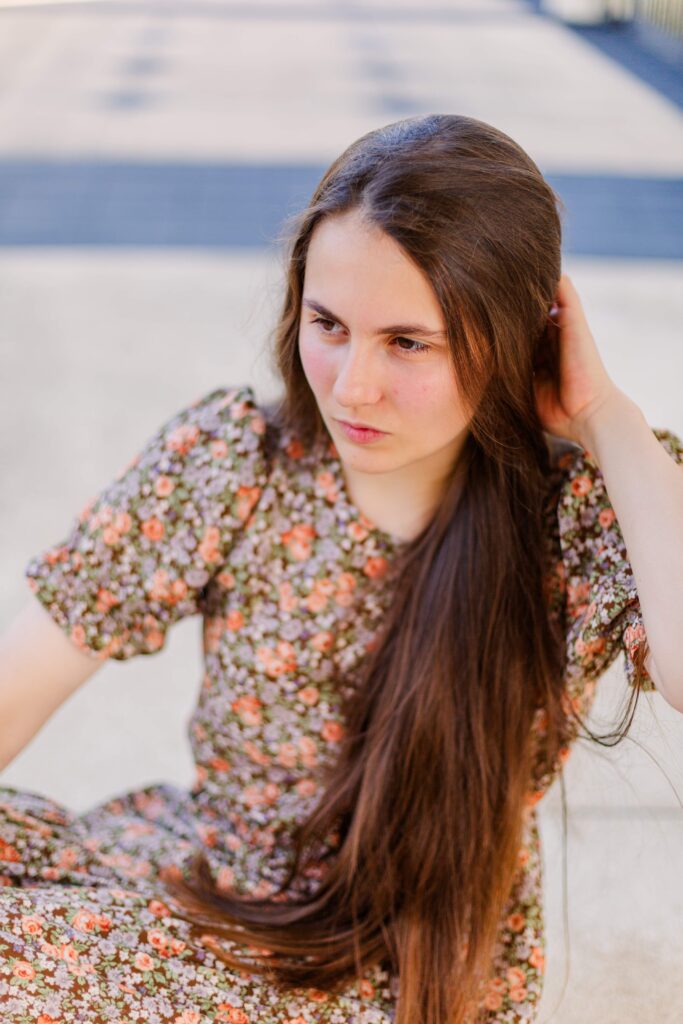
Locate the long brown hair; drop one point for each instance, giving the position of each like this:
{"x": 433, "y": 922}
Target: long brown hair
{"x": 422, "y": 815}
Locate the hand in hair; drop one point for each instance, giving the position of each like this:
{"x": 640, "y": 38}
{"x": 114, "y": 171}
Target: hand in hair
{"x": 584, "y": 383}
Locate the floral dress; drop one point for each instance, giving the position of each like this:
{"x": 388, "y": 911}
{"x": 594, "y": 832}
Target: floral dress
{"x": 291, "y": 580}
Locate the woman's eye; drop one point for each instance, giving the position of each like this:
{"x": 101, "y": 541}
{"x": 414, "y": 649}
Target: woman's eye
{"x": 411, "y": 341}
{"x": 418, "y": 345}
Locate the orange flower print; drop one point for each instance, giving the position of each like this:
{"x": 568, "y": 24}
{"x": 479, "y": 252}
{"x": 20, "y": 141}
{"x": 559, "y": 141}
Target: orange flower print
{"x": 295, "y": 449}
{"x": 306, "y": 787}
{"x": 225, "y": 879}
{"x": 516, "y": 922}
{"x": 581, "y": 485}
{"x": 56, "y": 555}
{"x": 493, "y": 1001}
{"x": 517, "y": 995}
{"x": 322, "y": 641}
{"x": 308, "y": 751}
{"x": 537, "y": 959}
{"x": 163, "y": 486}
{"x": 317, "y": 995}
{"x": 316, "y": 601}
{"x": 288, "y": 599}
{"x": 515, "y": 976}
{"x": 105, "y": 600}
{"x": 309, "y": 695}
{"x": 68, "y": 953}
{"x": 287, "y": 755}
{"x": 154, "y": 639}
{"x": 374, "y": 567}
{"x": 183, "y": 438}
{"x": 153, "y": 529}
{"x": 157, "y": 938}
{"x": 8, "y": 852}
{"x": 23, "y": 969}
{"x": 366, "y": 989}
{"x": 188, "y": 1017}
{"x": 246, "y": 499}
{"x": 122, "y": 522}
{"x": 85, "y": 921}
{"x": 248, "y": 708}
{"x": 208, "y": 548}
{"x": 226, "y": 579}
{"x": 234, "y": 620}
{"x": 326, "y": 486}
{"x": 606, "y": 517}
{"x": 260, "y": 794}
{"x": 158, "y": 908}
{"x": 255, "y": 753}
{"x": 144, "y": 962}
{"x": 31, "y": 925}
{"x": 277, "y": 662}
{"x": 298, "y": 541}
{"x": 110, "y": 536}
{"x": 356, "y": 530}
{"x": 219, "y": 764}
{"x": 332, "y": 731}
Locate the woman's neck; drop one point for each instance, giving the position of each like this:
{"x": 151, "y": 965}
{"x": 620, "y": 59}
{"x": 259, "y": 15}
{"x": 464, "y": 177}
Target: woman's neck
{"x": 403, "y": 501}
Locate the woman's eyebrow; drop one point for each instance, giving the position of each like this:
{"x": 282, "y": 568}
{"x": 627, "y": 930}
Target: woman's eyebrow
{"x": 395, "y": 329}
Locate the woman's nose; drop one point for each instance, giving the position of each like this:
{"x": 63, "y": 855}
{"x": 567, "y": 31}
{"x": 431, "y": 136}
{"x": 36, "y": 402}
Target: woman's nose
{"x": 359, "y": 377}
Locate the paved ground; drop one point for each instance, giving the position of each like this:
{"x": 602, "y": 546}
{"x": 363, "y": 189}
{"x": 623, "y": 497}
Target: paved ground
{"x": 148, "y": 153}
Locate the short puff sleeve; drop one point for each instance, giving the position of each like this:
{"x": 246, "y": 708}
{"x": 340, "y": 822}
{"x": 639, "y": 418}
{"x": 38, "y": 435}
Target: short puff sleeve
{"x": 603, "y": 615}
{"x": 139, "y": 555}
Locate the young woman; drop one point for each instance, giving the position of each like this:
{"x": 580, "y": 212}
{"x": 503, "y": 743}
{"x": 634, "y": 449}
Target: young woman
{"x": 412, "y": 571}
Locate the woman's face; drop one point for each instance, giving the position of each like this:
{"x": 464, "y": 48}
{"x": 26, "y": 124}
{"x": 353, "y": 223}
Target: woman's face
{"x": 365, "y": 359}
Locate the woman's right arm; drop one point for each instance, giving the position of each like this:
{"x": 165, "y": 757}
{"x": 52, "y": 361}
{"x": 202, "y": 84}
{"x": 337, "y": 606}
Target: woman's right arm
{"x": 39, "y": 668}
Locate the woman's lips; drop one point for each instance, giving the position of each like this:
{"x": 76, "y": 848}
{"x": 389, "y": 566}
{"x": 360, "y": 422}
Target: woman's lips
{"x": 360, "y": 434}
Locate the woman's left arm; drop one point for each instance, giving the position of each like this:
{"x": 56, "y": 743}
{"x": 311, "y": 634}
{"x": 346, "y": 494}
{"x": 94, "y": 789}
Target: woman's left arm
{"x": 645, "y": 485}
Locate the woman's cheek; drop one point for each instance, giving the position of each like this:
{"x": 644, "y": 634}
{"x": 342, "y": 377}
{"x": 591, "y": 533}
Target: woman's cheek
{"x": 318, "y": 365}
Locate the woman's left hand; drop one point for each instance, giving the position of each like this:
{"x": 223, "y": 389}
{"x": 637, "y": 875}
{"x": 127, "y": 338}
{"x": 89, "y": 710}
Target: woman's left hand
{"x": 584, "y": 381}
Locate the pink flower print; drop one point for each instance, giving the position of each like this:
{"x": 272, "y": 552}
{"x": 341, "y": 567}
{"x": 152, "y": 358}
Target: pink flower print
{"x": 183, "y": 438}
{"x": 23, "y": 969}
{"x": 219, "y": 449}
{"x": 153, "y": 529}
{"x": 208, "y": 548}
{"x": 163, "y": 486}
{"x": 248, "y": 708}
{"x": 279, "y": 661}
{"x": 323, "y": 641}
{"x": 287, "y": 755}
{"x": 308, "y": 751}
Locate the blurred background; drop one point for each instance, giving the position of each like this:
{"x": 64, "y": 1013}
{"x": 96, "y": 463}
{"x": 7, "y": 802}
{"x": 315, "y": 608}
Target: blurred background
{"x": 149, "y": 153}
